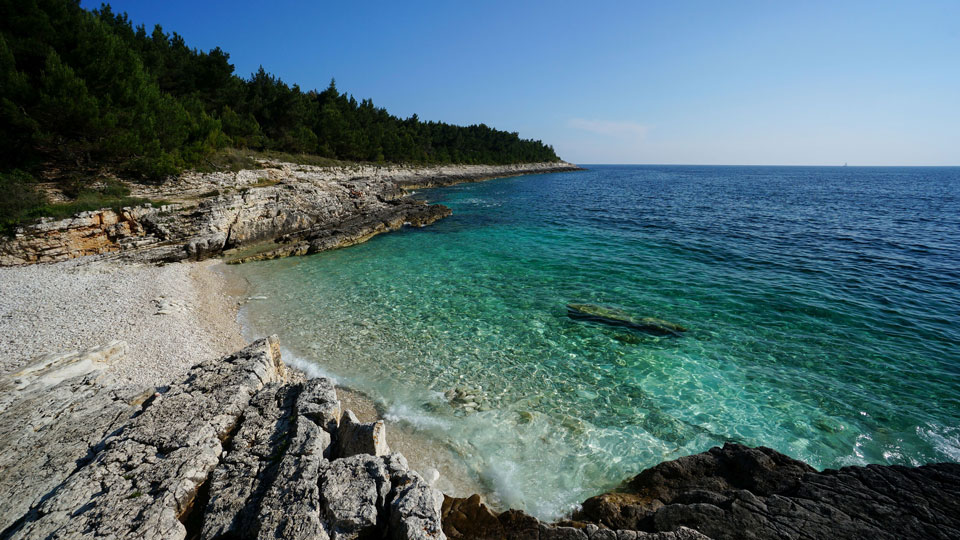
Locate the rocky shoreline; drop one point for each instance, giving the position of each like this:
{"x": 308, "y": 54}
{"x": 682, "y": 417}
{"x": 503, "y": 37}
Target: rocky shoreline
{"x": 245, "y": 447}
{"x": 741, "y": 492}
{"x": 279, "y": 210}
{"x": 156, "y": 429}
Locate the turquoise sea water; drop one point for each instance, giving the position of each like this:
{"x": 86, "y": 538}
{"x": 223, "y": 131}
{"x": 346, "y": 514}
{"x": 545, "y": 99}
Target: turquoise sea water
{"x": 823, "y": 306}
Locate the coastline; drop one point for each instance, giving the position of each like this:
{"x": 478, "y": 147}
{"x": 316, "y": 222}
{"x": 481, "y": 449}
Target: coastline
{"x": 100, "y": 280}
{"x": 177, "y": 315}
{"x": 423, "y": 453}
{"x": 53, "y": 309}
{"x": 276, "y": 210}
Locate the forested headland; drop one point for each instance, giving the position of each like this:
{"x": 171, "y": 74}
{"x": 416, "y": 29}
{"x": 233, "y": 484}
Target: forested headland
{"x": 85, "y": 92}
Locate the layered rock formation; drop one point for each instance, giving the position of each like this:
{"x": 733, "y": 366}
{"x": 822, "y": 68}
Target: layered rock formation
{"x": 282, "y": 209}
{"x": 241, "y": 448}
{"x": 87, "y": 233}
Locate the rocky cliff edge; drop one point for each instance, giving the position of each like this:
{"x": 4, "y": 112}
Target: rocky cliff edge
{"x": 278, "y": 210}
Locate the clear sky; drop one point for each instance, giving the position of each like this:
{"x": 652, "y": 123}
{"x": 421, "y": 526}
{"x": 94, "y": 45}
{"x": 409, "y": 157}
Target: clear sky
{"x": 773, "y": 82}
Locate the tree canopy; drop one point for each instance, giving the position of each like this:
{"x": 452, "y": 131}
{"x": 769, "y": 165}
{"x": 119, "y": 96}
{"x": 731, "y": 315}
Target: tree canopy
{"x": 85, "y": 88}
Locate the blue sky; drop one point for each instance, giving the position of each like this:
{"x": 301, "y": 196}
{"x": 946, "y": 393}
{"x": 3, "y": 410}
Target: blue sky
{"x": 780, "y": 83}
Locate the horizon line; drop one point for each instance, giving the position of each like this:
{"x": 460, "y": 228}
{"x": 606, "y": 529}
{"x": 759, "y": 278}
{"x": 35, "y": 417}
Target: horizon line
{"x": 761, "y": 165}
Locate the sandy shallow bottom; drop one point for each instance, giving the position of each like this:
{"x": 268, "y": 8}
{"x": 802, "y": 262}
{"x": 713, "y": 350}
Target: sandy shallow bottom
{"x": 171, "y": 317}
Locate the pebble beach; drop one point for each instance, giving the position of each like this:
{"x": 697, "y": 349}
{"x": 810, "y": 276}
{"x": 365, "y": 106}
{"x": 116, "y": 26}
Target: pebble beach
{"x": 171, "y": 316}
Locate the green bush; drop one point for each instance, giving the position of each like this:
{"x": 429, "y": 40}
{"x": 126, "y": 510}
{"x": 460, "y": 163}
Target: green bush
{"x": 20, "y": 197}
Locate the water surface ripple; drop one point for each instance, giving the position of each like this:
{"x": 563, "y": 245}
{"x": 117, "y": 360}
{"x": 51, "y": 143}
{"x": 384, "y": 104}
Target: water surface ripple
{"x": 823, "y": 307}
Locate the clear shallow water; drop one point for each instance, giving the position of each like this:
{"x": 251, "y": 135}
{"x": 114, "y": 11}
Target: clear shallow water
{"x": 823, "y": 307}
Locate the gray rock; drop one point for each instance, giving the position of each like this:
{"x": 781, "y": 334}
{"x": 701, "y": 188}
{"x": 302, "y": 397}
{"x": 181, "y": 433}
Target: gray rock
{"x": 319, "y": 403}
{"x": 353, "y": 494}
{"x": 737, "y": 491}
{"x": 239, "y": 448}
{"x": 548, "y": 532}
{"x": 144, "y": 478}
{"x": 603, "y": 534}
{"x": 415, "y": 508}
{"x": 284, "y": 209}
{"x": 266, "y": 486}
{"x": 56, "y": 414}
{"x": 355, "y": 437}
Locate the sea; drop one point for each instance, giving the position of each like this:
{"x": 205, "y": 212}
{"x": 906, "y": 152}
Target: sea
{"x": 822, "y": 307}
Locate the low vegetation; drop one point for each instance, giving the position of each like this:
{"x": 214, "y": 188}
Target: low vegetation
{"x": 24, "y": 202}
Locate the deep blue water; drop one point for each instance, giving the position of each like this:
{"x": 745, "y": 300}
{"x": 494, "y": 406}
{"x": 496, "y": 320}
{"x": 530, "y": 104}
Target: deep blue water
{"x": 823, "y": 306}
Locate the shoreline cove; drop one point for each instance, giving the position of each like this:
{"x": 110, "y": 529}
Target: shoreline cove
{"x": 422, "y": 452}
{"x": 157, "y": 363}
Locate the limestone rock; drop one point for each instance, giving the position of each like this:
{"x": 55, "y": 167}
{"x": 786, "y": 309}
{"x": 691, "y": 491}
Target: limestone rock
{"x": 355, "y": 437}
{"x": 415, "y": 508}
{"x": 352, "y": 492}
{"x": 267, "y": 484}
{"x": 144, "y": 478}
{"x": 240, "y": 448}
{"x": 319, "y": 403}
{"x": 281, "y": 210}
{"x": 55, "y": 414}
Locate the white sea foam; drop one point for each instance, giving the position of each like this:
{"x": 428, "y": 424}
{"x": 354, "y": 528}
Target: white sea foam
{"x": 399, "y": 412}
{"x": 311, "y": 369}
{"x": 945, "y": 440}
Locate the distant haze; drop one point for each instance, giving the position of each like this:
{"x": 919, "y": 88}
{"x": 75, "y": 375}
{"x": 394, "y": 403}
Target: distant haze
{"x": 818, "y": 83}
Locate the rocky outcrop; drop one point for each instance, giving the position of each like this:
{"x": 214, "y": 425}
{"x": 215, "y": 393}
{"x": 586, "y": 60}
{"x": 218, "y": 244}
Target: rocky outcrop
{"x": 457, "y": 174}
{"x": 280, "y": 210}
{"x": 54, "y": 416}
{"x": 470, "y": 519}
{"x": 741, "y": 492}
{"x": 87, "y": 233}
{"x": 242, "y": 447}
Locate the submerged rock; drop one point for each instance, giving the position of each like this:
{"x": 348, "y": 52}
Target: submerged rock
{"x": 466, "y": 400}
{"x": 618, "y": 317}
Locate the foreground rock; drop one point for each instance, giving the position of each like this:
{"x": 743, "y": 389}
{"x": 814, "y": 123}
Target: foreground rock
{"x": 741, "y": 492}
{"x": 243, "y": 447}
{"x": 469, "y": 518}
{"x": 279, "y": 210}
{"x": 240, "y": 448}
